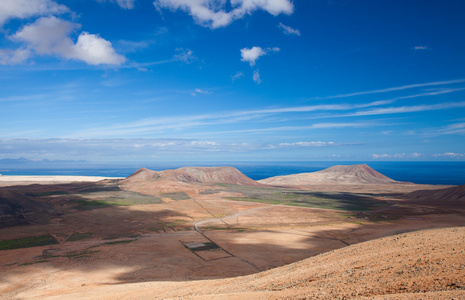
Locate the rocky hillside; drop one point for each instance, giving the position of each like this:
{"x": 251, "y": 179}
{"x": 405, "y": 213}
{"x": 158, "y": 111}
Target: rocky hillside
{"x": 453, "y": 197}
{"x": 427, "y": 264}
{"x": 203, "y": 175}
{"x": 353, "y": 174}
{"x": 17, "y": 209}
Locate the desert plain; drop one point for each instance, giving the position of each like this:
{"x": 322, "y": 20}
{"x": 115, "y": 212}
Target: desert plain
{"x": 347, "y": 232}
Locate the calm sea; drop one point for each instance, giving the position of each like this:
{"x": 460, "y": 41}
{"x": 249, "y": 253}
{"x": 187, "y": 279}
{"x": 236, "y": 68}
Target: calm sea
{"x": 452, "y": 173}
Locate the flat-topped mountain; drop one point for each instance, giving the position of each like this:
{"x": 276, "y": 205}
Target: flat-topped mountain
{"x": 352, "y": 174}
{"x": 204, "y": 175}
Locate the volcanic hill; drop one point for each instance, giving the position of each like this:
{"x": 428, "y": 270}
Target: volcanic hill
{"x": 353, "y": 174}
{"x": 204, "y": 175}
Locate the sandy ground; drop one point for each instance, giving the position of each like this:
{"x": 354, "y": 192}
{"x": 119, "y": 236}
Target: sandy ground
{"x": 420, "y": 265}
{"x": 139, "y": 251}
{"x": 7, "y": 180}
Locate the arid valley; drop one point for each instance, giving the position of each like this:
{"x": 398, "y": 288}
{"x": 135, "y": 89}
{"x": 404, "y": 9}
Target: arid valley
{"x": 213, "y": 233}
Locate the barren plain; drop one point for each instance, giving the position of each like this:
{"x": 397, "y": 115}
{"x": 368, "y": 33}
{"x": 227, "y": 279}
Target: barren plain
{"x": 213, "y": 233}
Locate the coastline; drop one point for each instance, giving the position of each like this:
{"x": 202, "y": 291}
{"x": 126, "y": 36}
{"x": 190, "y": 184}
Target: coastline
{"x": 8, "y": 180}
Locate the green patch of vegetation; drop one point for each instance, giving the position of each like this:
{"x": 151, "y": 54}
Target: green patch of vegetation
{"x": 77, "y": 236}
{"x": 41, "y": 194}
{"x": 34, "y": 262}
{"x": 267, "y": 201}
{"x": 210, "y": 192}
{"x": 157, "y": 229}
{"x": 98, "y": 189}
{"x": 119, "y": 242}
{"x": 325, "y": 200}
{"x": 223, "y": 228}
{"x": 215, "y": 228}
{"x": 175, "y": 223}
{"x": 132, "y": 198}
{"x": 80, "y": 254}
{"x": 206, "y": 247}
{"x": 176, "y": 196}
{"x": 92, "y": 204}
{"x": 28, "y": 242}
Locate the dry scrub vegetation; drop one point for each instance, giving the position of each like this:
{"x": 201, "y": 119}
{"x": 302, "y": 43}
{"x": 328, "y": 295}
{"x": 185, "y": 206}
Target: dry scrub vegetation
{"x": 152, "y": 236}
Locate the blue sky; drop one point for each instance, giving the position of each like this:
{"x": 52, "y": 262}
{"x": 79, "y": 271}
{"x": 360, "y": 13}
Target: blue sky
{"x": 232, "y": 80}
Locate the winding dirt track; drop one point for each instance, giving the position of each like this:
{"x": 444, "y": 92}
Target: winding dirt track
{"x": 420, "y": 265}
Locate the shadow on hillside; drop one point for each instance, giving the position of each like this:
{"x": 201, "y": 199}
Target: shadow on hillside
{"x": 154, "y": 236}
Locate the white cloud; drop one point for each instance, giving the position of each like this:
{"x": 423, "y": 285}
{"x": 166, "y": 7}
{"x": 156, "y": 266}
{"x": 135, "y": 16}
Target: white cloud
{"x": 397, "y": 155}
{"x": 251, "y": 55}
{"x": 13, "y": 57}
{"x": 21, "y": 9}
{"x": 50, "y": 36}
{"x": 399, "y": 88}
{"x": 256, "y": 77}
{"x": 420, "y": 48}
{"x": 108, "y": 149}
{"x": 408, "y": 109}
{"x": 214, "y": 13}
{"x": 307, "y": 144}
{"x": 456, "y": 128}
{"x": 200, "y": 91}
{"x": 157, "y": 125}
{"x": 184, "y": 55}
{"x": 127, "y": 4}
{"x": 450, "y": 155}
{"x": 237, "y": 76}
{"x": 96, "y": 51}
{"x": 288, "y": 30}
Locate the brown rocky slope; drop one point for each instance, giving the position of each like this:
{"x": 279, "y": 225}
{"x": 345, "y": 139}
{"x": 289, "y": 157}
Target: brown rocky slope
{"x": 453, "y": 197}
{"x": 352, "y": 174}
{"x": 426, "y": 264}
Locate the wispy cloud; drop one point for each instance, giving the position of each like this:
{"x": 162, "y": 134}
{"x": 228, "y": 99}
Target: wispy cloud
{"x": 307, "y": 144}
{"x": 309, "y": 127}
{"x": 152, "y": 125}
{"x": 215, "y": 14}
{"x": 110, "y": 149}
{"x": 393, "y": 89}
{"x": 455, "y": 128}
{"x": 256, "y": 77}
{"x": 22, "y": 9}
{"x": 398, "y": 156}
{"x": 126, "y": 4}
{"x": 201, "y": 91}
{"x": 421, "y": 48}
{"x": 422, "y": 156}
{"x": 237, "y": 76}
{"x": 184, "y": 55}
{"x": 408, "y": 109}
{"x": 289, "y": 30}
{"x": 450, "y": 155}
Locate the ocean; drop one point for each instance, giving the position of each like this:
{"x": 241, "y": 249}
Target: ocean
{"x": 447, "y": 173}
